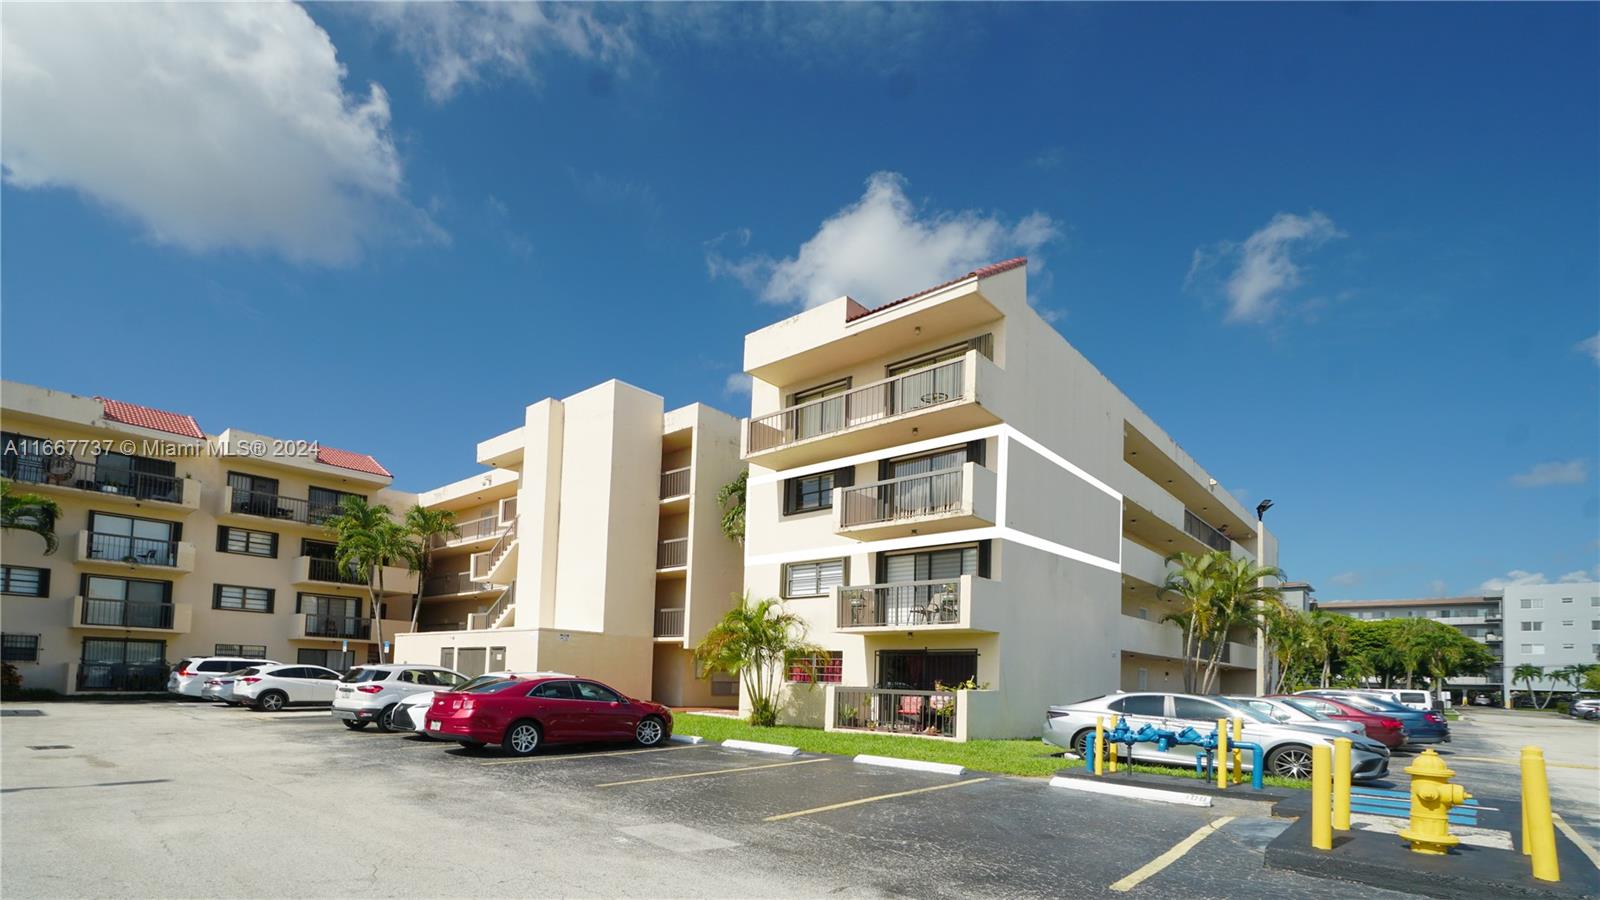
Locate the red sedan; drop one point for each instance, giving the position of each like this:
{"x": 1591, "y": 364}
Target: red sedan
{"x": 1389, "y": 732}
{"x": 524, "y": 714}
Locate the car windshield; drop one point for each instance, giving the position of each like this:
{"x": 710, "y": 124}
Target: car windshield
{"x": 357, "y": 675}
{"x": 243, "y": 672}
{"x": 492, "y": 687}
{"x": 480, "y": 681}
{"x": 1373, "y": 704}
{"x": 1244, "y": 710}
{"x": 1304, "y": 708}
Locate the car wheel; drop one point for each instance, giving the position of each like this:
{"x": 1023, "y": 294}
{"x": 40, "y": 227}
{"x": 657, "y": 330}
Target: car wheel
{"x": 353, "y": 725}
{"x": 1293, "y": 761}
{"x": 1080, "y": 743}
{"x": 386, "y": 719}
{"x": 650, "y": 731}
{"x": 272, "y": 701}
{"x": 522, "y": 739}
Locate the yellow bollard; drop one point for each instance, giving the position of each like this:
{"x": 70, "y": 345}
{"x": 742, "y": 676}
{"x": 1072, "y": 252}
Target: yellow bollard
{"x": 1222, "y": 753}
{"x": 1341, "y": 784}
{"x": 1539, "y": 830}
{"x": 1321, "y": 802}
{"x": 1098, "y": 752}
{"x": 1238, "y": 755}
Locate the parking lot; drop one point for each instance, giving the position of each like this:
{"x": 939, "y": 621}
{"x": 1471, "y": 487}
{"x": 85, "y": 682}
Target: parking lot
{"x": 164, "y": 799}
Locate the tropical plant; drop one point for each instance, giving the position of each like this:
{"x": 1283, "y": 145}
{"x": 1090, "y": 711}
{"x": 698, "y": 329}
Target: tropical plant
{"x": 759, "y": 641}
{"x": 1591, "y": 679}
{"x": 29, "y": 512}
{"x": 1573, "y": 676}
{"x": 1288, "y": 634}
{"x": 1241, "y": 597}
{"x": 1328, "y": 636}
{"x": 423, "y": 525}
{"x": 731, "y": 500}
{"x": 1217, "y": 592}
{"x": 1191, "y": 578}
{"x": 369, "y": 540}
{"x": 1527, "y": 673}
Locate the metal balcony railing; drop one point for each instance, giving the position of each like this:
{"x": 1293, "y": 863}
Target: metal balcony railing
{"x": 126, "y": 613}
{"x": 337, "y": 627}
{"x": 675, "y": 483}
{"x": 319, "y": 569}
{"x": 66, "y": 471}
{"x": 272, "y": 506}
{"x": 904, "y": 712}
{"x": 446, "y": 583}
{"x": 907, "y": 497}
{"x": 132, "y": 677}
{"x": 470, "y": 530}
{"x": 1197, "y": 528}
{"x": 881, "y": 400}
{"x": 672, "y": 553}
{"x": 901, "y": 605}
{"x": 669, "y": 623}
{"x": 138, "y": 550}
{"x": 484, "y": 563}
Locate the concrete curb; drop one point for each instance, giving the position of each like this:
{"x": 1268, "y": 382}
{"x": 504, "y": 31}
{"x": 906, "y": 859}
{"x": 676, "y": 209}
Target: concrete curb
{"x": 687, "y": 739}
{"x": 894, "y": 762}
{"x": 1131, "y": 791}
{"x": 759, "y": 747}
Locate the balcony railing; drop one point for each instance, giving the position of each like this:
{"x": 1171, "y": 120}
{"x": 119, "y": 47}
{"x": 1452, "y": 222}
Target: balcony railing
{"x": 672, "y": 553}
{"x": 470, "y": 530}
{"x": 669, "y": 623}
{"x": 137, "y": 550}
{"x": 89, "y": 476}
{"x": 447, "y": 583}
{"x": 907, "y": 497}
{"x": 338, "y": 627}
{"x": 126, "y": 613}
{"x": 901, "y": 605}
{"x": 276, "y": 506}
{"x": 484, "y": 563}
{"x": 912, "y": 391}
{"x": 906, "y": 712}
{"x": 319, "y": 569}
{"x": 675, "y": 483}
{"x": 1197, "y": 528}
{"x": 132, "y": 677}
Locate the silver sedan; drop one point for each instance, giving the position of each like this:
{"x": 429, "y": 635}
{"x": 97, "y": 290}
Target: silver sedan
{"x": 1286, "y": 748}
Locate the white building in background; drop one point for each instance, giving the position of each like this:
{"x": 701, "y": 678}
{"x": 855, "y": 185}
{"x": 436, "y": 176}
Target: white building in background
{"x": 1551, "y": 626}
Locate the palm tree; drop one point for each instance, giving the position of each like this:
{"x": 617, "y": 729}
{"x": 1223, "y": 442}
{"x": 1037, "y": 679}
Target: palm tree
{"x": 1193, "y": 580}
{"x": 1328, "y": 638}
{"x": 1526, "y": 673}
{"x": 369, "y": 540}
{"x": 29, "y": 512}
{"x": 1355, "y": 669}
{"x": 1288, "y": 636}
{"x": 1241, "y": 595}
{"x": 758, "y": 641}
{"x": 1572, "y": 676}
{"x": 731, "y": 500}
{"x": 424, "y": 525}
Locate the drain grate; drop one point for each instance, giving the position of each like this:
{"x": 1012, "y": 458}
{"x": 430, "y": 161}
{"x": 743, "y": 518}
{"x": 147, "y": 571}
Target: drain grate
{"x": 49, "y": 746}
{"x": 21, "y": 712}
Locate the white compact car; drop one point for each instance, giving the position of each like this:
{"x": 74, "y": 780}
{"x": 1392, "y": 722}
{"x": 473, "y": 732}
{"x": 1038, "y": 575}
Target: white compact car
{"x": 1291, "y": 712}
{"x": 271, "y": 688}
{"x": 371, "y": 693}
{"x": 189, "y": 676}
{"x": 410, "y": 714}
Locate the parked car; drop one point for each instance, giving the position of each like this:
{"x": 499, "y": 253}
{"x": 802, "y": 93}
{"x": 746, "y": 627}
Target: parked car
{"x": 1585, "y": 708}
{"x": 1386, "y": 730}
{"x": 1482, "y": 700}
{"x": 524, "y": 714}
{"x": 189, "y": 676}
{"x": 220, "y": 688}
{"x": 1421, "y": 727}
{"x": 368, "y": 694}
{"x": 1286, "y": 748}
{"x": 271, "y": 688}
{"x": 1419, "y": 700}
{"x": 410, "y": 714}
{"x": 1291, "y": 713}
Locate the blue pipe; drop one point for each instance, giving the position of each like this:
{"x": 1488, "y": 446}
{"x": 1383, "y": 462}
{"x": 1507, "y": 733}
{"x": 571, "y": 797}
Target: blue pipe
{"x": 1164, "y": 740}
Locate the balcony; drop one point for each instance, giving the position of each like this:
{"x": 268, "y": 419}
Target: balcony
{"x": 669, "y": 623}
{"x": 457, "y": 584}
{"x": 235, "y": 504}
{"x": 1165, "y": 640}
{"x": 131, "y": 615}
{"x": 672, "y": 554}
{"x": 133, "y": 678}
{"x": 312, "y": 626}
{"x": 498, "y": 564}
{"x": 476, "y": 533}
{"x": 112, "y": 484}
{"x": 947, "y": 500}
{"x": 927, "y": 713}
{"x": 940, "y": 399}
{"x": 938, "y": 605}
{"x": 123, "y": 552}
{"x": 1143, "y": 564}
{"x": 675, "y": 484}
{"x": 318, "y": 570}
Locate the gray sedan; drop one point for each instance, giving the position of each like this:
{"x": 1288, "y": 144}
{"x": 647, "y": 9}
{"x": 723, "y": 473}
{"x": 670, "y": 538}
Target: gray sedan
{"x": 1286, "y": 747}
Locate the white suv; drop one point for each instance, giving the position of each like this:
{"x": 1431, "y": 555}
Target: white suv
{"x": 189, "y": 675}
{"x": 271, "y": 688}
{"x": 370, "y": 693}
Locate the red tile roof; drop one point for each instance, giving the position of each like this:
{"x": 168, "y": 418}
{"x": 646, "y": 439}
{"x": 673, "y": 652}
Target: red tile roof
{"x": 358, "y": 462}
{"x": 147, "y": 417}
{"x": 986, "y": 271}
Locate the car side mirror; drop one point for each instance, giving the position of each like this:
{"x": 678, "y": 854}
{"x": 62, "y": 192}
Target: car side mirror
{"x": 615, "y": 704}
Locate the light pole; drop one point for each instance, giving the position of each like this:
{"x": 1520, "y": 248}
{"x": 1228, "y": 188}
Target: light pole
{"x": 1261, "y": 621}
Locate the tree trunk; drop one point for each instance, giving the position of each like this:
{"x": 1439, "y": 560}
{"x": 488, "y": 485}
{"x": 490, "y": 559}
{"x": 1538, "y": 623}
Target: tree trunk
{"x": 377, "y": 612}
{"x": 416, "y": 599}
{"x": 1327, "y": 670}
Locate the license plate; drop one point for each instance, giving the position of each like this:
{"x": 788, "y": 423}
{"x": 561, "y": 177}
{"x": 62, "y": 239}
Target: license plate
{"x": 433, "y": 726}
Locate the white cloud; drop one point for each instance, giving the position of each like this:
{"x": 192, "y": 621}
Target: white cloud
{"x": 1346, "y": 579}
{"x": 1521, "y": 578}
{"x": 1572, "y": 471}
{"x": 210, "y": 125}
{"x": 1264, "y": 267}
{"x": 1576, "y": 576}
{"x": 1590, "y": 346}
{"x": 736, "y": 385}
{"x": 882, "y": 247}
{"x": 459, "y": 45}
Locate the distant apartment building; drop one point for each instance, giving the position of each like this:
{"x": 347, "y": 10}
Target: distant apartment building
{"x": 946, "y": 490}
{"x": 175, "y": 543}
{"x": 1477, "y": 617}
{"x": 592, "y": 545}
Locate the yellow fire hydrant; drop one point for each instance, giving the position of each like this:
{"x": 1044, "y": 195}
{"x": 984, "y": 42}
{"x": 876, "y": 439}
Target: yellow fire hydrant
{"x": 1432, "y": 796}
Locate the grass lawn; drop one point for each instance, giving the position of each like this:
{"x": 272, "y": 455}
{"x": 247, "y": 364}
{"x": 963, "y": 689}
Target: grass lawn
{"x": 1017, "y": 757}
{"x": 1452, "y": 715}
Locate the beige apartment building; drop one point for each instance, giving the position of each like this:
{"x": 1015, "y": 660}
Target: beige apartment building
{"x": 946, "y": 490}
{"x": 176, "y": 543}
{"x": 592, "y": 544}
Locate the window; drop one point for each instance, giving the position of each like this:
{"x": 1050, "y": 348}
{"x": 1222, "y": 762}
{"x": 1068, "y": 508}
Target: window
{"x": 1532, "y": 603}
{"x": 114, "y": 664}
{"x": 1566, "y": 623}
{"x": 724, "y": 685}
{"x": 19, "y": 647}
{"x": 809, "y": 493}
{"x": 447, "y": 657}
{"x": 244, "y": 599}
{"x": 1566, "y": 646}
{"x": 250, "y": 543}
{"x": 983, "y": 343}
{"x": 552, "y": 690}
{"x": 324, "y": 502}
{"x": 244, "y": 651}
{"x": 946, "y": 563}
{"x": 328, "y": 659}
{"x": 1594, "y": 625}
{"x": 1532, "y": 626}
{"x": 812, "y": 579}
{"x": 24, "y": 581}
{"x": 1566, "y": 599}
{"x": 1533, "y": 649}
{"x": 821, "y": 409}
{"x": 827, "y": 669}
{"x": 1196, "y": 709}
{"x": 256, "y": 495}
{"x": 588, "y": 690}
{"x": 1140, "y": 705}
{"x": 1142, "y": 679}
{"x": 144, "y": 541}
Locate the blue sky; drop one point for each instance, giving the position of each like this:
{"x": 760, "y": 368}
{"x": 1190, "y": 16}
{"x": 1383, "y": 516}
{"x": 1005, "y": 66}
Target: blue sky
{"x": 1345, "y": 254}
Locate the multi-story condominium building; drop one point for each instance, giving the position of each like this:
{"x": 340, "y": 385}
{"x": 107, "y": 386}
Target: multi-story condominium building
{"x": 175, "y": 543}
{"x": 1551, "y": 626}
{"x": 1477, "y": 617}
{"x": 592, "y": 545}
{"x": 946, "y": 490}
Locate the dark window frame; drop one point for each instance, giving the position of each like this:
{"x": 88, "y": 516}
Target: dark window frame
{"x": 216, "y": 599}
{"x": 224, "y": 543}
{"x": 844, "y": 576}
{"x": 11, "y": 643}
{"x": 798, "y": 499}
{"x": 85, "y": 578}
{"x": 801, "y": 669}
{"x": 242, "y": 651}
{"x": 7, "y": 580}
{"x": 983, "y": 343}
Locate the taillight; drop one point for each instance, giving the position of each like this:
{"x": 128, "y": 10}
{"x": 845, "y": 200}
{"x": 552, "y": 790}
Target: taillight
{"x": 370, "y": 688}
{"x": 184, "y": 672}
{"x": 1435, "y": 718}
{"x": 1388, "y": 723}
{"x": 249, "y": 680}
